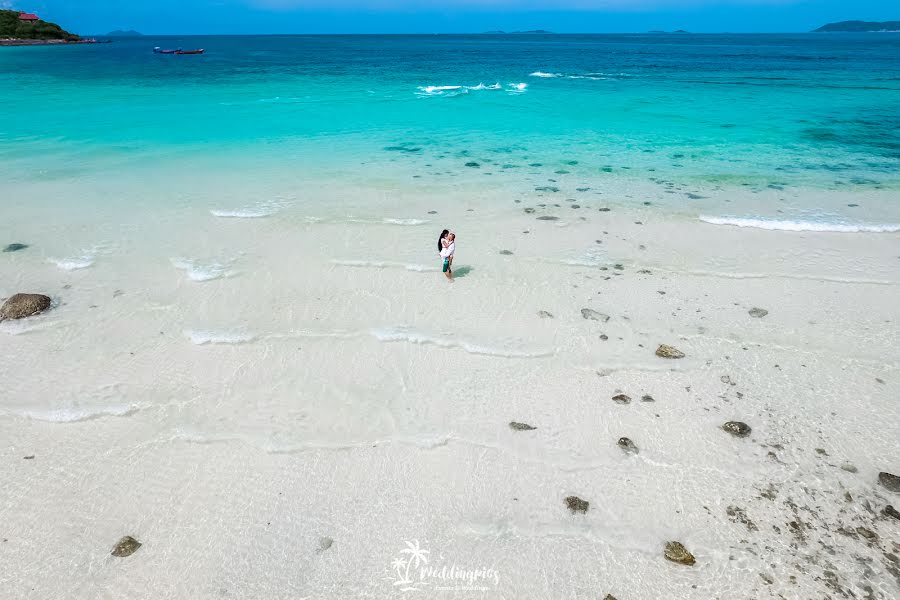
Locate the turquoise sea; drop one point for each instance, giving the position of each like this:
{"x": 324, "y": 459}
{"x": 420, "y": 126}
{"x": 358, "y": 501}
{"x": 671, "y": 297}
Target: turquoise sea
{"x": 759, "y": 112}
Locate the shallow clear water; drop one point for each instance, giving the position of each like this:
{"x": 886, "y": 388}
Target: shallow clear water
{"x": 782, "y": 110}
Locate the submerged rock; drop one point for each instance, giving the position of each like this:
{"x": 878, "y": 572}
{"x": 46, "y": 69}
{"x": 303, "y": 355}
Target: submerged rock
{"x": 520, "y": 426}
{"x": 758, "y": 313}
{"x": 890, "y": 481}
{"x": 506, "y": 252}
{"x": 548, "y": 218}
{"x": 592, "y": 315}
{"x": 890, "y": 511}
{"x": 850, "y": 468}
{"x": 621, "y": 399}
{"x": 24, "y": 305}
{"x": 867, "y": 533}
{"x": 126, "y": 547}
{"x": 647, "y": 398}
{"x": 610, "y": 597}
{"x": 544, "y": 314}
{"x": 627, "y": 445}
{"x": 676, "y": 552}
{"x": 665, "y": 351}
{"x": 472, "y": 164}
{"x": 15, "y": 247}
{"x": 325, "y": 543}
{"x": 576, "y": 504}
{"x": 737, "y": 428}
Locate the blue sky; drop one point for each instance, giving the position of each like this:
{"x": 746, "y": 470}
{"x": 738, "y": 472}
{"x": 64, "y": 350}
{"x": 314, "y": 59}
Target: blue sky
{"x": 443, "y": 16}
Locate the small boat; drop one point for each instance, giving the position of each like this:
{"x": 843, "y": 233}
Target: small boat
{"x": 159, "y": 50}
{"x": 200, "y": 51}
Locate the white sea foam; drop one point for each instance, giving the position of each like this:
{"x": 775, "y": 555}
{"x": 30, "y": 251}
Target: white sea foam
{"x": 79, "y": 261}
{"x": 544, "y": 75}
{"x": 198, "y": 272}
{"x": 517, "y": 88}
{"x": 203, "y": 337}
{"x": 481, "y": 87}
{"x": 390, "y": 221}
{"x": 245, "y": 213}
{"x": 74, "y": 414}
{"x": 384, "y": 265}
{"x": 404, "y": 334}
{"x": 785, "y": 225}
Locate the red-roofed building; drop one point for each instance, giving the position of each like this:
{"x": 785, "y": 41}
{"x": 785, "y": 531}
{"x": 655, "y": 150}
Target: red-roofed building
{"x": 29, "y": 17}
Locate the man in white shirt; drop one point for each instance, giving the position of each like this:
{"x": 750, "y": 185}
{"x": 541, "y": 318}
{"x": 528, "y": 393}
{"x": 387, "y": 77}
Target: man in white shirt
{"x": 447, "y": 253}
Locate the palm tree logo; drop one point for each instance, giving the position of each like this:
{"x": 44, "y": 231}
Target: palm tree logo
{"x": 417, "y": 557}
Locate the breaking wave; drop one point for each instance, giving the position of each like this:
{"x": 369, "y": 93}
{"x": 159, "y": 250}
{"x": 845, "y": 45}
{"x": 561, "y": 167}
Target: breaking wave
{"x": 788, "y": 225}
{"x": 403, "y": 334}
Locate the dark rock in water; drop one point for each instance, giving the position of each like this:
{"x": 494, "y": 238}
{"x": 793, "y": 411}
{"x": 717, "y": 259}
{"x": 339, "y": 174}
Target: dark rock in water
{"x": 506, "y": 252}
{"x": 890, "y": 511}
{"x": 548, "y": 218}
{"x": 676, "y": 552}
{"x": 867, "y": 533}
{"x": 592, "y": 315}
{"x": 529, "y": 210}
{"x": 604, "y": 209}
{"x": 603, "y": 337}
{"x": 325, "y": 543}
{"x": 610, "y": 597}
{"x": 665, "y": 351}
{"x": 521, "y": 426}
{"x": 126, "y": 547}
{"x": 544, "y": 314}
{"x": 576, "y": 504}
{"x": 850, "y": 468}
{"x": 472, "y": 164}
{"x": 547, "y": 188}
{"x": 647, "y": 398}
{"x": 15, "y": 247}
{"x": 622, "y": 399}
{"x": 758, "y": 313}
{"x": 627, "y": 445}
{"x": 890, "y": 481}
{"x": 737, "y": 428}
{"x": 24, "y": 305}
{"x": 432, "y": 212}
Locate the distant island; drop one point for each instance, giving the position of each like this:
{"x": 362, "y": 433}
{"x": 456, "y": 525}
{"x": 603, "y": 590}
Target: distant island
{"x": 26, "y": 29}
{"x": 859, "y": 26}
{"x": 498, "y": 32}
{"x": 124, "y": 33}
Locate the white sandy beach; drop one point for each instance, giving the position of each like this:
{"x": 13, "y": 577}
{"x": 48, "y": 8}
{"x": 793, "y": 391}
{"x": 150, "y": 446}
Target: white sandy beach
{"x": 274, "y": 406}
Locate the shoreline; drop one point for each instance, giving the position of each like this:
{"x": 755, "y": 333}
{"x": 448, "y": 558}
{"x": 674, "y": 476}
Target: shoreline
{"x": 26, "y": 42}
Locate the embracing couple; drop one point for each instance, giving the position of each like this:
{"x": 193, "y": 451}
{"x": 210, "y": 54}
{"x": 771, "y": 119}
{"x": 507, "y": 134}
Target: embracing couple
{"x": 447, "y": 248}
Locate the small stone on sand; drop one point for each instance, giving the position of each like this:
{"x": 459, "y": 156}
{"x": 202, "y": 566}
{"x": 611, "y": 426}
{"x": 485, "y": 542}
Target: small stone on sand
{"x": 890, "y": 511}
{"x": 506, "y": 253}
{"x": 737, "y": 428}
{"x": 20, "y": 306}
{"x": 126, "y": 547}
{"x": 621, "y": 399}
{"x": 544, "y": 314}
{"x": 576, "y": 504}
{"x": 665, "y": 351}
{"x": 627, "y": 445}
{"x": 676, "y": 552}
{"x": 325, "y": 543}
{"x": 520, "y": 426}
{"x": 758, "y": 313}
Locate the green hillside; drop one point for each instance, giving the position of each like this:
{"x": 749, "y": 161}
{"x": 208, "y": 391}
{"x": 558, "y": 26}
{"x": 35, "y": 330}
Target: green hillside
{"x": 860, "y": 26}
{"x": 12, "y": 27}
